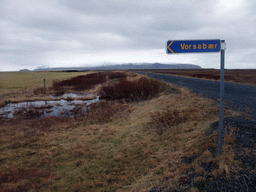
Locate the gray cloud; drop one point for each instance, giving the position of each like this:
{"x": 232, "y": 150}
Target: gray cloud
{"x": 35, "y": 33}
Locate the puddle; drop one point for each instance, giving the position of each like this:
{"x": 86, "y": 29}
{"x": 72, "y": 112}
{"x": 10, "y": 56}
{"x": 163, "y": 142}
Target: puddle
{"x": 73, "y": 95}
{"x": 60, "y": 108}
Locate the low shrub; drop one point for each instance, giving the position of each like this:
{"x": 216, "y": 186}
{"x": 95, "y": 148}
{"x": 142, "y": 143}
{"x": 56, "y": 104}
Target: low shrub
{"x": 39, "y": 90}
{"x": 85, "y": 82}
{"x": 2, "y": 104}
{"x": 78, "y": 83}
{"x": 139, "y": 89}
{"x": 117, "y": 75}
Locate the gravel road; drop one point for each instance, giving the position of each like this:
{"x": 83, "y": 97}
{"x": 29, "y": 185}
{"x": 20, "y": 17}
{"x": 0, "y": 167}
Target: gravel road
{"x": 238, "y": 97}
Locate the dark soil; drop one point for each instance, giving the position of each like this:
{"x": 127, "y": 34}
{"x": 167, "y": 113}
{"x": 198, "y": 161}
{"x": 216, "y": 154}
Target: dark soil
{"x": 245, "y": 138}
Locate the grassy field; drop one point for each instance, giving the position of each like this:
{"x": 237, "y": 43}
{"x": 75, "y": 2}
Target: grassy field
{"x": 246, "y": 76}
{"x": 16, "y": 81}
{"x": 146, "y": 134}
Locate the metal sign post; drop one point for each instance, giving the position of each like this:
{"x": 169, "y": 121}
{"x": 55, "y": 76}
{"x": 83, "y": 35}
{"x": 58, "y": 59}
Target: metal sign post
{"x": 204, "y": 46}
{"x": 222, "y": 71}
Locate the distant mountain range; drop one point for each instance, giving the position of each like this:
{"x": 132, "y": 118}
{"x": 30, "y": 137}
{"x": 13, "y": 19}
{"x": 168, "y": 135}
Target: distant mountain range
{"x": 25, "y": 70}
{"x": 124, "y": 67}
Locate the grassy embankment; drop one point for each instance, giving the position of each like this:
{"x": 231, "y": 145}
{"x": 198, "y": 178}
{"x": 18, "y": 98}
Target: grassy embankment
{"x": 148, "y": 134}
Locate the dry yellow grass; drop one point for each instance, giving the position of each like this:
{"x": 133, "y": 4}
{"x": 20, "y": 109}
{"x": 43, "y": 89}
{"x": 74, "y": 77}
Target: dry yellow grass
{"x": 29, "y": 86}
{"x": 15, "y": 81}
{"x": 117, "y": 153}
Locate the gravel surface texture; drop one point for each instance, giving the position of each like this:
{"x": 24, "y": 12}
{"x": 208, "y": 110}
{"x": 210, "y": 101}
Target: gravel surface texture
{"x": 245, "y": 180}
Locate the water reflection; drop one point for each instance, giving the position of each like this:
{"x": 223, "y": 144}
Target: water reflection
{"x": 72, "y": 95}
{"x": 45, "y": 108}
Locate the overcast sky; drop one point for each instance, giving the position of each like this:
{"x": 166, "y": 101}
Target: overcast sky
{"x": 68, "y": 33}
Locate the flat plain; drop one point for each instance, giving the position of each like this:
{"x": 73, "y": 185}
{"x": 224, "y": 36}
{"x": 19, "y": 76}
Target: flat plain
{"x": 17, "y": 81}
{"x": 246, "y": 76}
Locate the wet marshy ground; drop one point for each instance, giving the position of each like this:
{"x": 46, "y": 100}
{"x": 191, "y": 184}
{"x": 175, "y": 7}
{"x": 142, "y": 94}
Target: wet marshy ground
{"x": 66, "y": 105}
{"x": 67, "y": 100}
{"x": 61, "y": 103}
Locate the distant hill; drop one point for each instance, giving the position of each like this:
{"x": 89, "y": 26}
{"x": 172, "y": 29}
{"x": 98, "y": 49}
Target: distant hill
{"x": 25, "y": 70}
{"x": 124, "y": 67}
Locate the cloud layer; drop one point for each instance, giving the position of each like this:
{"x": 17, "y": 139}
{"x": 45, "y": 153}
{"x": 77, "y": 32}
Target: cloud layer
{"x": 63, "y": 33}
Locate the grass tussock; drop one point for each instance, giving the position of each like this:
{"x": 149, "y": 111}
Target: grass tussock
{"x": 180, "y": 108}
{"x": 25, "y": 179}
{"x": 115, "y": 146}
{"x": 46, "y": 124}
{"x": 39, "y": 90}
{"x": 102, "y": 112}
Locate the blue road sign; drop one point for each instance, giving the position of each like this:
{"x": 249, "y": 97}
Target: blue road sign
{"x": 192, "y": 46}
